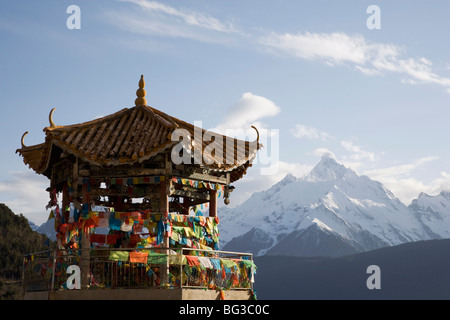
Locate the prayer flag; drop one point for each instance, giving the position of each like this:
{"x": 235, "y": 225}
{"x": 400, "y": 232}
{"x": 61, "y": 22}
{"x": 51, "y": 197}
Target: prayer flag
{"x": 138, "y": 257}
{"x": 157, "y": 258}
{"x": 119, "y": 255}
{"x": 193, "y": 261}
{"x": 205, "y": 262}
{"x": 216, "y": 263}
{"x": 177, "y": 259}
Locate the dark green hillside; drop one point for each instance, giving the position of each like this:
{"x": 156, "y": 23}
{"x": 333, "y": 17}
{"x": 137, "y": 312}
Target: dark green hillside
{"x": 16, "y": 239}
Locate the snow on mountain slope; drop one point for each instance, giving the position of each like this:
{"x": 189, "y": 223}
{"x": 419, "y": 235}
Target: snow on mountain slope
{"x": 330, "y": 212}
{"x": 358, "y": 211}
{"x": 433, "y": 212}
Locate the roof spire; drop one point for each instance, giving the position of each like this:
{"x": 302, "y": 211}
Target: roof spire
{"x": 140, "y": 100}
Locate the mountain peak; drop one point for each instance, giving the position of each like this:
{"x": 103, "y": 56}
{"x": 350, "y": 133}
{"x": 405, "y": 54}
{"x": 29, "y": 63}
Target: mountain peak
{"x": 288, "y": 178}
{"x": 327, "y": 169}
{"x": 333, "y": 211}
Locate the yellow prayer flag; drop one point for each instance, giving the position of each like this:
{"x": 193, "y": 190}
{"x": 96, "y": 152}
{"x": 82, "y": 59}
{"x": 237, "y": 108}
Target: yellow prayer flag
{"x": 175, "y": 236}
{"x": 189, "y": 232}
{"x": 209, "y": 224}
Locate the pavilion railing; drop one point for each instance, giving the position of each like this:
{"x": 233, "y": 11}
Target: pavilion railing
{"x": 143, "y": 268}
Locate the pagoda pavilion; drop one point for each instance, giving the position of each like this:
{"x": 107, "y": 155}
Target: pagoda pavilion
{"x": 134, "y": 199}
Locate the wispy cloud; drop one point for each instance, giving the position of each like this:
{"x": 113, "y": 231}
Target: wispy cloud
{"x": 189, "y": 17}
{"x": 157, "y": 19}
{"x": 368, "y": 57}
{"x": 336, "y": 48}
{"x": 302, "y": 131}
{"x": 357, "y": 153}
{"x": 320, "y": 152}
{"x": 330, "y": 47}
{"x": 400, "y": 180}
{"x": 400, "y": 170}
{"x": 25, "y": 193}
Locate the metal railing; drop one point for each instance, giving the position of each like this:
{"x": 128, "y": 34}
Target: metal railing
{"x": 142, "y": 268}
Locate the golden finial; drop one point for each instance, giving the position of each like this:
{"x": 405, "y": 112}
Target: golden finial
{"x": 140, "y": 100}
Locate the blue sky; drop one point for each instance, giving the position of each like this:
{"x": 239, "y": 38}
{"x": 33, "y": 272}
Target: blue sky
{"x": 310, "y": 74}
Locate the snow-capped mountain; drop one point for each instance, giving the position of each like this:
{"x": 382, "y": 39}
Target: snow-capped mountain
{"x": 433, "y": 212}
{"x": 331, "y": 212}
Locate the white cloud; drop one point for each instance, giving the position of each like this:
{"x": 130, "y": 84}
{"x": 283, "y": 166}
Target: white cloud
{"x": 406, "y": 189}
{"x": 370, "y": 58}
{"x": 302, "y": 131}
{"x": 333, "y": 47}
{"x": 443, "y": 182}
{"x": 189, "y": 17}
{"x": 246, "y": 112}
{"x": 25, "y": 193}
{"x": 320, "y": 152}
{"x": 400, "y": 170}
{"x": 400, "y": 181}
{"x": 157, "y": 19}
{"x": 357, "y": 153}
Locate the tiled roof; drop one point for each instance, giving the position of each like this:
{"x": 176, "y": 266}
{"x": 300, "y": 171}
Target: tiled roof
{"x": 129, "y": 136}
{"x": 135, "y": 135}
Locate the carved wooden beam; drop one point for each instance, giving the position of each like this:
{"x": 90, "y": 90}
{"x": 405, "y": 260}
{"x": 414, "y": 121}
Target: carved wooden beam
{"x": 191, "y": 194}
{"x": 200, "y": 176}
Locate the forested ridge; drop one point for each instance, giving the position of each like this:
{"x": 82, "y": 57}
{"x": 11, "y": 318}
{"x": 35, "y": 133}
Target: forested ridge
{"x": 16, "y": 239}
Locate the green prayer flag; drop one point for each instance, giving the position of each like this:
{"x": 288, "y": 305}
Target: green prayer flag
{"x": 249, "y": 263}
{"x": 157, "y": 258}
{"x": 227, "y": 263}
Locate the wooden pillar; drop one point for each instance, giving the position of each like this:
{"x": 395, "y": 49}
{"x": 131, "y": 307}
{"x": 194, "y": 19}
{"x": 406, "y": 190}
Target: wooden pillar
{"x": 86, "y": 198}
{"x": 164, "y": 208}
{"x": 186, "y": 205}
{"x": 212, "y": 203}
{"x": 65, "y": 203}
{"x": 118, "y": 203}
{"x": 85, "y": 243}
{"x": 164, "y": 197}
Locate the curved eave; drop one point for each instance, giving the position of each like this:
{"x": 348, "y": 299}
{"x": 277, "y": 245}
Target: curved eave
{"x": 130, "y": 136}
{"x": 38, "y": 158}
{"x": 35, "y": 157}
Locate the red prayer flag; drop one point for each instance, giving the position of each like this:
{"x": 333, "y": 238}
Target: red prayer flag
{"x": 111, "y": 238}
{"x": 99, "y": 238}
{"x": 192, "y": 261}
{"x": 134, "y": 239}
